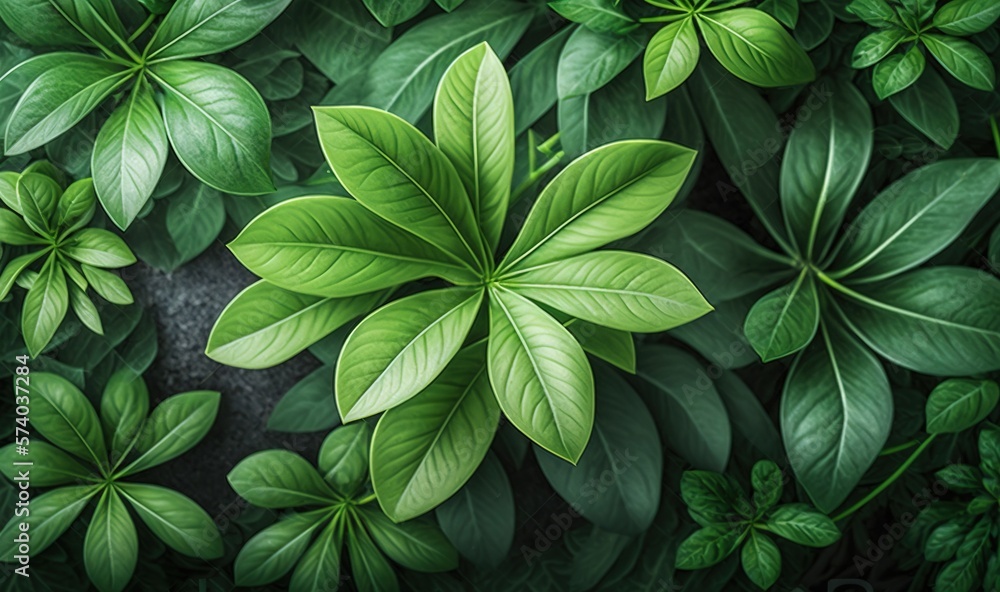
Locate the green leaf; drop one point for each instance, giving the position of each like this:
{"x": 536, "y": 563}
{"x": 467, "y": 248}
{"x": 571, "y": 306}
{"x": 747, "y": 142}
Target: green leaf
{"x": 916, "y": 217}
{"x": 625, "y": 445}
{"x": 64, "y": 416}
{"x": 785, "y": 320}
{"x": 814, "y": 26}
{"x": 897, "y": 72}
{"x": 875, "y": 46}
{"x": 836, "y": 411}
{"x": 945, "y": 539}
{"x": 98, "y": 247}
{"x": 266, "y": 325}
{"x": 596, "y": 15}
{"x": 617, "y": 289}
{"x": 474, "y": 127}
{"x": 279, "y": 479}
{"x": 50, "y": 465}
{"x": 533, "y": 80}
{"x": 14, "y": 269}
{"x": 963, "y": 60}
{"x": 958, "y": 404}
{"x": 408, "y": 71}
{"x": 319, "y": 569}
{"x": 111, "y": 548}
{"x": 76, "y": 206}
{"x": 343, "y": 457}
{"x": 39, "y": 23}
{"x": 540, "y": 375}
{"x": 334, "y": 247}
{"x": 786, "y": 11}
{"x": 876, "y": 13}
{"x": 16, "y": 232}
{"x": 124, "y": 406}
{"x": 940, "y": 320}
{"x": 611, "y": 345}
{"x": 195, "y": 217}
{"x": 308, "y": 406}
{"x": 709, "y": 546}
{"x": 755, "y": 423}
{"x": 370, "y": 569}
{"x": 768, "y": 481}
{"x": 129, "y": 155}
{"x": 755, "y": 47}
{"x": 761, "y": 560}
{"x": 711, "y": 498}
{"x": 424, "y": 450}
{"x": 272, "y": 552}
{"x": 930, "y": 107}
{"x": 59, "y": 98}
{"x": 609, "y": 193}
{"x": 108, "y": 285}
{"x": 671, "y": 56}
{"x": 825, "y": 160}
{"x": 341, "y": 40}
{"x": 479, "y": 519}
{"x": 174, "y": 427}
{"x": 218, "y": 125}
{"x": 401, "y": 348}
{"x": 965, "y": 17}
{"x": 689, "y": 412}
{"x": 590, "y": 59}
{"x": 801, "y": 524}
{"x": 52, "y": 513}
{"x": 394, "y": 12}
{"x": 961, "y": 478}
{"x": 84, "y": 309}
{"x": 38, "y": 198}
{"x": 414, "y": 544}
{"x": 396, "y": 172}
{"x": 201, "y": 27}
{"x": 175, "y": 520}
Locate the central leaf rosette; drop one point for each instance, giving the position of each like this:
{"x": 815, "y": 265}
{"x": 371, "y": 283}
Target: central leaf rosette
{"x": 442, "y": 363}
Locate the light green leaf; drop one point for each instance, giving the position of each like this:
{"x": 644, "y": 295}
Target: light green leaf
{"x": 174, "y": 427}
{"x": 343, "y": 457}
{"x": 84, "y": 309}
{"x": 963, "y": 60}
{"x": 540, "y": 375}
{"x": 607, "y": 194}
{"x": 108, "y": 285}
{"x": 836, "y": 411}
{"x": 38, "y": 198}
{"x": 111, "y": 548}
{"x": 424, "y": 450}
{"x": 875, "y": 46}
{"x": 218, "y": 125}
{"x": 401, "y": 348}
{"x": 671, "y": 56}
{"x": 755, "y": 47}
{"x": 98, "y": 247}
{"x": 414, "y": 544}
{"x": 897, "y": 72}
{"x": 45, "y": 307}
{"x": 785, "y": 320}
{"x": 52, "y": 513}
{"x": 76, "y": 206}
{"x": 266, "y": 325}
{"x": 279, "y": 479}
{"x": 272, "y": 552}
{"x": 175, "y": 520}
{"x": 129, "y": 155}
{"x": 201, "y": 27}
{"x": 14, "y": 269}
{"x": 474, "y": 127}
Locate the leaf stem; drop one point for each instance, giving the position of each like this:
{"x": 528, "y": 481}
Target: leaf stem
{"x": 899, "y": 448}
{"x": 996, "y": 134}
{"x": 367, "y": 499}
{"x": 892, "y": 478}
{"x": 535, "y": 175}
{"x": 667, "y": 6}
{"x": 142, "y": 28}
{"x": 667, "y": 18}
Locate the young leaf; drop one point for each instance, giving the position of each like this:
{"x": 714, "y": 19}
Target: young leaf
{"x": 897, "y": 72}
{"x": 711, "y": 498}
{"x": 540, "y": 375}
{"x": 175, "y": 519}
{"x": 836, "y": 411}
{"x": 414, "y": 544}
{"x": 755, "y": 47}
{"x": 617, "y": 289}
{"x": 629, "y": 452}
{"x": 474, "y": 127}
{"x": 108, "y": 285}
{"x": 59, "y": 98}
{"x": 607, "y": 194}
{"x": 761, "y": 560}
{"x": 767, "y": 481}
{"x": 334, "y": 247}
{"x": 479, "y": 519}
{"x": 52, "y": 513}
{"x": 195, "y": 28}
{"x": 401, "y": 348}
{"x": 279, "y": 479}
{"x": 173, "y": 428}
{"x": 396, "y": 172}
{"x": 343, "y": 457}
{"x": 589, "y": 60}
{"x": 801, "y": 524}
{"x": 111, "y": 548}
{"x": 671, "y": 56}
{"x": 272, "y": 552}
{"x": 940, "y": 320}
{"x": 129, "y": 155}
{"x": 266, "y": 325}
{"x": 785, "y": 320}
{"x": 218, "y": 125}
{"x": 38, "y": 198}
{"x": 98, "y": 247}
{"x": 958, "y": 404}
{"x": 709, "y": 546}
{"x": 124, "y": 406}
{"x": 76, "y": 206}
{"x": 963, "y": 60}
{"x": 424, "y": 450}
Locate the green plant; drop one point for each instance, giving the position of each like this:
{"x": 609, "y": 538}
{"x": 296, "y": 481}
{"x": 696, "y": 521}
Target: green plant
{"x": 213, "y": 118}
{"x": 730, "y": 520}
{"x": 339, "y": 515}
{"x": 438, "y": 210}
{"x": 919, "y": 24}
{"x": 51, "y": 220}
{"x": 87, "y": 458}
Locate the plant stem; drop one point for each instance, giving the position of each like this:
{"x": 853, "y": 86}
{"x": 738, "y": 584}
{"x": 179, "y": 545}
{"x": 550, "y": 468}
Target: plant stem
{"x": 996, "y": 134}
{"x": 899, "y": 448}
{"x": 142, "y": 28}
{"x": 892, "y": 478}
{"x": 367, "y": 499}
{"x": 666, "y": 6}
{"x": 535, "y": 175}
